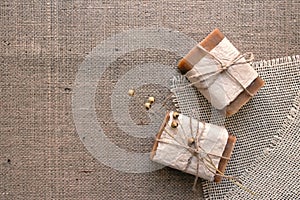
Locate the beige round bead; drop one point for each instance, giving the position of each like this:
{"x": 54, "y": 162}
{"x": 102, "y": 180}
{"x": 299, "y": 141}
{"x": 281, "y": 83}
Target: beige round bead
{"x": 131, "y": 92}
{"x": 174, "y": 124}
{"x": 147, "y": 105}
{"x": 175, "y": 115}
{"x": 191, "y": 141}
{"x": 151, "y": 100}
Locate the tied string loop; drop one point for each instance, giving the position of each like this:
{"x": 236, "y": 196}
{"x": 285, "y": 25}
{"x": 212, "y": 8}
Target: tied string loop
{"x": 222, "y": 67}
{"x": 197, "y": 151}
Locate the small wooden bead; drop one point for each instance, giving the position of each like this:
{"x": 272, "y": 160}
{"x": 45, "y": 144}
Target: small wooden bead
{"x": 131, "y": 92}
{"x": 174, "y": 124}
{"x": 191, "y": 141}
{"x": 175, "y": 115}
{"x": 151, "y": 100}
{"x": 147, "y": 105}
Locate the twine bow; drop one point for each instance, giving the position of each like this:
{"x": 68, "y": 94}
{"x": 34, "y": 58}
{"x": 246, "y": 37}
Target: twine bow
{"x": 223, "y": 67}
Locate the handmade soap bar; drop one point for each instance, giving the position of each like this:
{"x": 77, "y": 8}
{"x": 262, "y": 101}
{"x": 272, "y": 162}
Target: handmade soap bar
{"x": 221, "y": 73}
{"x": 194, "y": 147}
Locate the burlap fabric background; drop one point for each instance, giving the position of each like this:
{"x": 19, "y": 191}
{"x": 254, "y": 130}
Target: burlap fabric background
{"x": 42, "y": 45}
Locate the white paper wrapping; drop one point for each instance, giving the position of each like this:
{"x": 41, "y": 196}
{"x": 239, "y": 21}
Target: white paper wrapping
{"x": 222, "y": 89}
{"x": 212, "y": 140}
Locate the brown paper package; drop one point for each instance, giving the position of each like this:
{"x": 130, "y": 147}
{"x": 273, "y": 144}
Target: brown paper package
{"x": 226, "y": 153}
{"x": 210, "y": 42}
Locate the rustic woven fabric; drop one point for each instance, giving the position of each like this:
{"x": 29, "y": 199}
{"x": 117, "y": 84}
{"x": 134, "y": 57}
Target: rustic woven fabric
{"x": 276, "y": 176}
{"x": 256, "y": 126}
{"x": 44, "y": 43}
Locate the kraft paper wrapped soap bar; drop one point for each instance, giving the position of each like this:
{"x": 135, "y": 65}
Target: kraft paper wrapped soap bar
{"x": 194, "y": 147}
{"x": 221, "y": 73}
